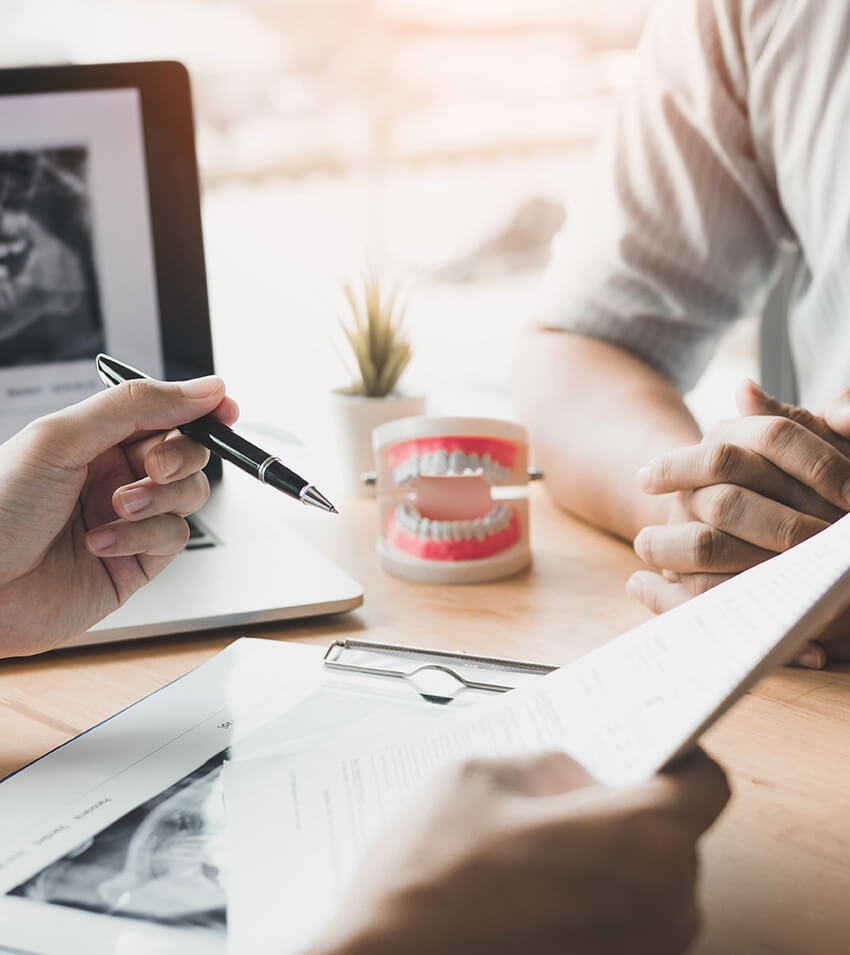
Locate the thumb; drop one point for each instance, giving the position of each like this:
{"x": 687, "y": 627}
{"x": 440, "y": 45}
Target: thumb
{"x": 693, "y": 792}
{"x": 752, "y": 400}
{"x": 78, "y": 434}
{"x": 695, "y": 789}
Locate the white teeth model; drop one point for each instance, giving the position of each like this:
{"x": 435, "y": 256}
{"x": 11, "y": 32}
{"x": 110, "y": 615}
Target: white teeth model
{"x": 440, "y": 462}
{"x": 410, "y": 519}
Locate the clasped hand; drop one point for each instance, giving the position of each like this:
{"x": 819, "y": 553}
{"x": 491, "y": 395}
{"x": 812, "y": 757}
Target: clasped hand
{"x": 753, "y": 487}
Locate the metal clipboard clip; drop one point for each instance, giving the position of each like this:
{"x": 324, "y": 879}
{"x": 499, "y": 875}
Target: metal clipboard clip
{"x": 438, "y": 676}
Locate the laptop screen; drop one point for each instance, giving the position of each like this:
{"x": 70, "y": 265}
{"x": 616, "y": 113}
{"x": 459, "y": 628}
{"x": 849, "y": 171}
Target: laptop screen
{"x": 76, "y": 257}
{"x": 100, "y": 234}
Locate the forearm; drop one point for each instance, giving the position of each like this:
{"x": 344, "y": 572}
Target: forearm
{"x": 596, "y": 414}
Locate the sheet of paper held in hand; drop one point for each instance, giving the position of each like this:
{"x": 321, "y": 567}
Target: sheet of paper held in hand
{"x": 298, "y": 825}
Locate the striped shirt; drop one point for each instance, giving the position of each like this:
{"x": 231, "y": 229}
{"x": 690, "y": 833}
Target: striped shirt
{"x": 731, "y": 144}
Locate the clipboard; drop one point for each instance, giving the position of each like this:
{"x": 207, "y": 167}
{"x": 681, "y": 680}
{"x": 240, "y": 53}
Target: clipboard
{"x": 439, "y": 676}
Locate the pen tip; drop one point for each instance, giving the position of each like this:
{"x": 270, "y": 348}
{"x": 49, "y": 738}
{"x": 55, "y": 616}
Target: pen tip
{"x": 312, "y": 495}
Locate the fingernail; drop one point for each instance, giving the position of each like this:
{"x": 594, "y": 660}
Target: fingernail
{"x": 810, "y": 658}
{"x": 136, "y": 499}
{"x": 100, "y": 541}
{"x": 643, "y": 476}
{"x": 169, "y": 461}
{"x": 201, "y": 387}
{"x": 633, "y": 588}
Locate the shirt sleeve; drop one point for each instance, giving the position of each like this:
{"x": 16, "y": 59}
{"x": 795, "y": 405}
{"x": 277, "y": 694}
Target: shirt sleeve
{"x": 676, "y": 233}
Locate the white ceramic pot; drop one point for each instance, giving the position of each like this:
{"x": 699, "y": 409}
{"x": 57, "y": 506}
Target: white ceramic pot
{"x": 355, "y": 417}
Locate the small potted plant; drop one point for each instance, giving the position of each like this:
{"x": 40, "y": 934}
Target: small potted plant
{"x": 374, "y": 330}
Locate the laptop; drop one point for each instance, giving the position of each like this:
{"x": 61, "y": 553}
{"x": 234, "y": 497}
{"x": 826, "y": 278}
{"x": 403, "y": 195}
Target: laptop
{"x": 101, "y": 250}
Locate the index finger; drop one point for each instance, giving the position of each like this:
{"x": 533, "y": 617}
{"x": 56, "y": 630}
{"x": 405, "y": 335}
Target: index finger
{"x": 774, "y": 456}
{"x": 227, "y": 412}
{"x": 798, "y": 452}
{"x": 692, "y": 793}
{"x": 702, "y": 465}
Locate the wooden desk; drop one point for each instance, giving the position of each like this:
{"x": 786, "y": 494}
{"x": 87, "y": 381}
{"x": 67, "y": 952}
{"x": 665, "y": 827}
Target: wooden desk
{"x": 777, "y": 866}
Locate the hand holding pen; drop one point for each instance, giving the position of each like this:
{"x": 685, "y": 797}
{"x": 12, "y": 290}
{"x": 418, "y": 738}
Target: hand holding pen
{"x": 219, "y": 438}
{"x": 94, "y": 500}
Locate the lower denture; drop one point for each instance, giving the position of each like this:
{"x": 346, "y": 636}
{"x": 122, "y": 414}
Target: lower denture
{"x": 474, "y": 548}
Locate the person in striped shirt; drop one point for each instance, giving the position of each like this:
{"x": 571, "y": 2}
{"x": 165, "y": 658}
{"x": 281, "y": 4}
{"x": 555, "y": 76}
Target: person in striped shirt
{"x": 727, "y": 158}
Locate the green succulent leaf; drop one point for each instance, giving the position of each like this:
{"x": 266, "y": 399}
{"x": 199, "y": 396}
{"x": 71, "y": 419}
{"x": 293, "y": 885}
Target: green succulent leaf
{"x": 377, "y": 335}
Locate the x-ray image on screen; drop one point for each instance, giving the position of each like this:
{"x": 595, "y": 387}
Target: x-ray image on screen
{"x": 49, "y": 303}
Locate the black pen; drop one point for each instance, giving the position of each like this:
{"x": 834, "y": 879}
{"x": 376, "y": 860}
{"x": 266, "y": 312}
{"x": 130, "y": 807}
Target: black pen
{"x": 227, "y": 444}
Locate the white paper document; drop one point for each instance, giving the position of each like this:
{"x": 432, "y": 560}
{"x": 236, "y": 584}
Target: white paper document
{"x": 298, "y": 826}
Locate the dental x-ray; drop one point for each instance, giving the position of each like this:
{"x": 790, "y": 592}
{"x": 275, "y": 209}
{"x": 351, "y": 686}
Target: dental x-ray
{"x": 49, "y": 303}
{"x": 161, "y": 862}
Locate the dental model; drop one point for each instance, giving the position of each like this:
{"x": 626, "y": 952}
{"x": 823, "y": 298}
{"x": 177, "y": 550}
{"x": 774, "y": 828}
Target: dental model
{"x": 452, "y": 498}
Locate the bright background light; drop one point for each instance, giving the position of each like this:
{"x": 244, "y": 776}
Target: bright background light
{"x": 442, "y": 140}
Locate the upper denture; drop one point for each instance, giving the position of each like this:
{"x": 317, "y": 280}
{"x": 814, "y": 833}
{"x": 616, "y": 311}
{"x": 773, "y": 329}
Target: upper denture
{"x": 493, "y": 458}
